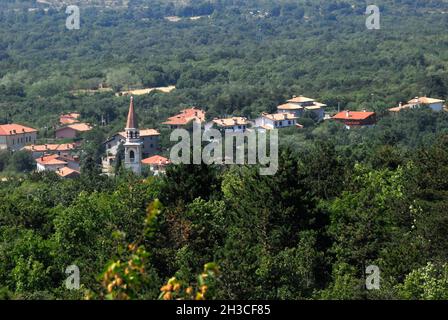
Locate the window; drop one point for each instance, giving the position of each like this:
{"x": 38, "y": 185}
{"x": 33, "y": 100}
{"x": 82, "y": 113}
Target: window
{"x": 289, "y": 122}
{"x": 132, "y": 156}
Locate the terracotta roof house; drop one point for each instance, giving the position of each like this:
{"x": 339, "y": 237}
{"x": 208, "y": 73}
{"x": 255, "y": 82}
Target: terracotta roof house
{"x": 72, "y": 131}
{"x": 67, "y": 172}
{"x": 15, "y": 136}
{"x": 355, "y": 118}
{"x": 46, "y": 149}
{"x": 157, "y": 164}
{"x": 50, "y": 163}
{"x": 185, "y": 117}
{"x": 64, "y": 165}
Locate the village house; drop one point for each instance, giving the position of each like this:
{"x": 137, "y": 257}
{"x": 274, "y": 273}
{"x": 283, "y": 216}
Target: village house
{"x": 72, "y": 131}
{"x": 15, "y": 136}
{"x": 355, "y": 118}
{"x": 276, "y": 120}
{"x": 73, "y": 162}
{"x": 234, "y": 124}
{"x": 62, "y": 165}
{"x": 69, "y": 118}
{"x": 48, "y": 149}
{"x": 157, "y": 164}
{"x": 49, "y": 163}
{"x": 67, "y": 172}
{"x": 436, "y": 105}
{"x": 299, "y": 105}
{"x": 185, "y": 117}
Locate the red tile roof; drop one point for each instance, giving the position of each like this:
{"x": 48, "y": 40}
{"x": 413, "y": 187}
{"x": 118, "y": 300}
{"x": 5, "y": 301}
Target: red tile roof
{"x": 66, "y": 171}
{"x": 156, "y": 160}
{"x": 353, "y": 115}
{"x": 50, "y": 160}
{"x": 12, "y": 129}
{"x": 51, "y": 147}
{"x": 186, "y": 116}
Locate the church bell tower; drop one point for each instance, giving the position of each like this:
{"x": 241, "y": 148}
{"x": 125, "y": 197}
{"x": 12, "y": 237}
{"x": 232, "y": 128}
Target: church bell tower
{"x": 133, "y": 144}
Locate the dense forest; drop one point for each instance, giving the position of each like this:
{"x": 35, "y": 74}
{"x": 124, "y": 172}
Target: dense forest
{"x": 341, "y": 200}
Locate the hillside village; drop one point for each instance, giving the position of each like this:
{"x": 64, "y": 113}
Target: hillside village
{"x": 141, "y": 147}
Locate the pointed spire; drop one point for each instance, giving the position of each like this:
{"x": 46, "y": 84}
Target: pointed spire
{"x": 132, "y": 119}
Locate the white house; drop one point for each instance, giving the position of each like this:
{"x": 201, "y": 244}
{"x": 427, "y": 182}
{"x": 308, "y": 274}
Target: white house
{"x": 50, "y": 163}
{"x": 276, "y": 120}
{"x": 418, "y": 102}
{"x": 234, "y": 124}
{"x": 157, "y": 164}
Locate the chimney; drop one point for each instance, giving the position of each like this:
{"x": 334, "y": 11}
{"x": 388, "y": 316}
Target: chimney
{"x": 347, "y": 114}
{"x": 400, "y": 104}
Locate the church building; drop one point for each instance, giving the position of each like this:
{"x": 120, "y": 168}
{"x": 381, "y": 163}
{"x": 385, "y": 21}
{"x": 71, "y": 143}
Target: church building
{"x": 133, "y": 145}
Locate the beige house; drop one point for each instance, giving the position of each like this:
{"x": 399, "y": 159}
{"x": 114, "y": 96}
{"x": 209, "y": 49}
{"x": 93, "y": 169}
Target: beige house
{"x": 436, "y": 105}
{"x": 234, "y": 124}
{"x": 299, "y": 105}
{"x": 15, "y": 136}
